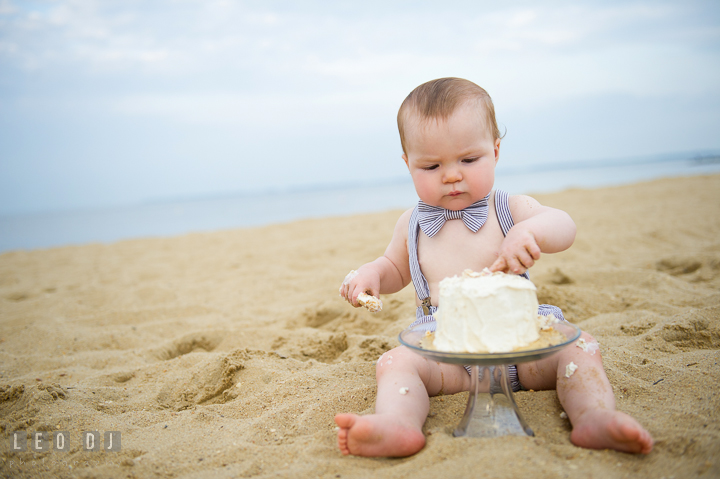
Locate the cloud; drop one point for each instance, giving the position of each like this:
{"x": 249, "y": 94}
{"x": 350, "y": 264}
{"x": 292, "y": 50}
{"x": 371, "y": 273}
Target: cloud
{"x": 529, "y": 54}
{"x": 193, "y": 36}
{"x": 176, "y": 81}
{"x": 259, "y": 110}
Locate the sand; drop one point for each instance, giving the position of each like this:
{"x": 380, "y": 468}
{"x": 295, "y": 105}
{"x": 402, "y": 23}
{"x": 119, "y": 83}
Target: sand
{"x": 227, "y": 354}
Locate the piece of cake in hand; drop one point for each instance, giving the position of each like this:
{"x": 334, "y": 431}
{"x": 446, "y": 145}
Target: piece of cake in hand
{"x": 486, "y": 313}
{"x": 372, "y": 303}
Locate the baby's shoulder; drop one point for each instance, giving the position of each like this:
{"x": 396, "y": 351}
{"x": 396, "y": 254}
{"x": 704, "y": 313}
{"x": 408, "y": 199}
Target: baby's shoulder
{"x": 523, "y": 207}
{"x": 401, "y": 227}
{"x": 405, "y": 217}
{"x": 404, "y": 221}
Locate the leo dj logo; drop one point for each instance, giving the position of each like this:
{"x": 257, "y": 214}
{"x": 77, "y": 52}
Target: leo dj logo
{"x": 60, "y": 441}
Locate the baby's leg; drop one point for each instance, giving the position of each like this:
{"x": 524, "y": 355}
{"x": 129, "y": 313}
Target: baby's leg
{"x": 588, "y": 400}
{"x": 405, "y": 380}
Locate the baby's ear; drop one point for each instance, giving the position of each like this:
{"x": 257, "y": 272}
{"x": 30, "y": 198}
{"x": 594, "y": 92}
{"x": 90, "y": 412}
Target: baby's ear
{"x": 405, "y": 159}
{"x": 497, "y": 150}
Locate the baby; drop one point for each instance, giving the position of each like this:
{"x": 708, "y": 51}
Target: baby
{"x": 451, "y": 145}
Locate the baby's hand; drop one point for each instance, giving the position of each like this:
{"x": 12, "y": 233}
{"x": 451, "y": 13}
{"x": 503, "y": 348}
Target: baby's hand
{"x": 518, "y": 252}
{"x": 356, "y": 282}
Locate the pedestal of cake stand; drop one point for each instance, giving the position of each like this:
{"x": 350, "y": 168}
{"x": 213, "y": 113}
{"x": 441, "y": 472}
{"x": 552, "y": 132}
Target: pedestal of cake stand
{"x": 491, "y": 408}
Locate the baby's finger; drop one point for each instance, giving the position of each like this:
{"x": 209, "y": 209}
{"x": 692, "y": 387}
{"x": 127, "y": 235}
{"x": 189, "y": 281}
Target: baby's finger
{"x": 350, "y": 276}
{"x": 349, "y": 294}
{"x": 525, "y": 259}
{"x": 353, "y": 297}
{"x": 514, "y": 265}
{"x": 499, "y": 265}
{"x": 534, "y": 250}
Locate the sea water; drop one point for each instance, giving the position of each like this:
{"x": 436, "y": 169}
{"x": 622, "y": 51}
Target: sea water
{"x": 184, "y": 216}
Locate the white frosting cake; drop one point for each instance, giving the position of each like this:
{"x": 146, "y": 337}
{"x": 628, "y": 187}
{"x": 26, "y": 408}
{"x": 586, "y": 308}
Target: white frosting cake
{"x": 486, "y": 312}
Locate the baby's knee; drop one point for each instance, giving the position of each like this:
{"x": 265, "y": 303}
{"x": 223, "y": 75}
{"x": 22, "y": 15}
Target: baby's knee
{"x": 400, "y": 357}
{"x": 588, "y": 343}
{"x": 587, "y": 337}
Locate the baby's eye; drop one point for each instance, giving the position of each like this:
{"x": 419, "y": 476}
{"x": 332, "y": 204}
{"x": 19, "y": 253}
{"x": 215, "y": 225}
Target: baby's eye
{"x": 469, "y": 160}
{"x": 431, "y": 167}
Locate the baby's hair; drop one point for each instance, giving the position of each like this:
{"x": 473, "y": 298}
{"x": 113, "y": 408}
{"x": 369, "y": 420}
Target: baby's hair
{"x": 438, "y": 99}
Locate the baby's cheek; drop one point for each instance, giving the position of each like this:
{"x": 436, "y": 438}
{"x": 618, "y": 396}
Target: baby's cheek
{"x": 424, "y": 191}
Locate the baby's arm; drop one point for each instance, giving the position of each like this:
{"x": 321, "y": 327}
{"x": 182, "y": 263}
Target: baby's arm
{"x": 538, "y": 229}
{"x": 387, "y": 274}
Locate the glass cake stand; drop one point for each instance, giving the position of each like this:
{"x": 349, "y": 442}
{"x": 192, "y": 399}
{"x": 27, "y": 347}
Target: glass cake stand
{"x": 491, "y": 409}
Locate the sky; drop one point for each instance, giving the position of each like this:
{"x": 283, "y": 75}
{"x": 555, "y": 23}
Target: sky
{"x": 115, "y": 102}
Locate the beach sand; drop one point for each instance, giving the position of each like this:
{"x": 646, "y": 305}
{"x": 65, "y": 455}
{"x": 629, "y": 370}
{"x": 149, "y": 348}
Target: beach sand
{"x": 227, "y": 354}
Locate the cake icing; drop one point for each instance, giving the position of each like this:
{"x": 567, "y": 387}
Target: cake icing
{"x": 486, "y": 312}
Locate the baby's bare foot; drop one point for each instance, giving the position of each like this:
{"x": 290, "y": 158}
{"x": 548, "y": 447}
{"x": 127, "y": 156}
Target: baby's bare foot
{"x": 608, "y": 429}
{"x": 377, "y": 435}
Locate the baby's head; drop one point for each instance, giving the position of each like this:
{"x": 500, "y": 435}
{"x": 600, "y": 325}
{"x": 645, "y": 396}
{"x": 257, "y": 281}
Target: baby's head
{"x": 450, "y": 141}
{"x": 439, "y": 99}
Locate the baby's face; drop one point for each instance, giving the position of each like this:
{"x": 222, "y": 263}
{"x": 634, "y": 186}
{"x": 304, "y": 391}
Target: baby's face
{"x": 452, "y": 162}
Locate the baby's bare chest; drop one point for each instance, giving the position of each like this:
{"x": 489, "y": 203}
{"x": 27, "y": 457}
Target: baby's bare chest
{"x": 455, "y": 248}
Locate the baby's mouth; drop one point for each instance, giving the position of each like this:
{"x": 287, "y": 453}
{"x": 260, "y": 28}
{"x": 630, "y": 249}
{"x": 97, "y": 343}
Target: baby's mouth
{"x": 455, "y": 193}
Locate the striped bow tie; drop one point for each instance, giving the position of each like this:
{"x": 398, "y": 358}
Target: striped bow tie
{"x": 432, "y": 218}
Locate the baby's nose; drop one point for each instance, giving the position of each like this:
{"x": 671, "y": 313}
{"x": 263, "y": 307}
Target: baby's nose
{"x": 452, "y": 175}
